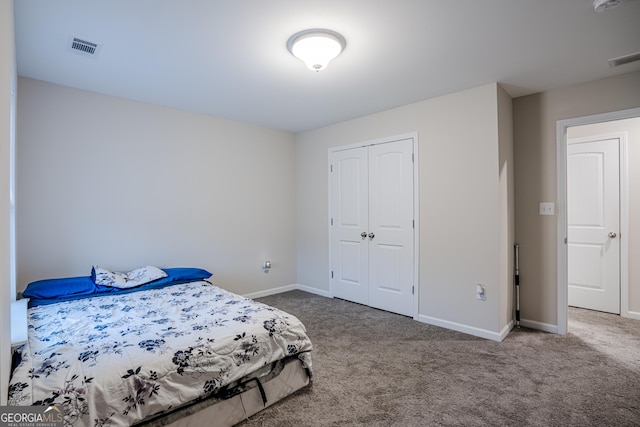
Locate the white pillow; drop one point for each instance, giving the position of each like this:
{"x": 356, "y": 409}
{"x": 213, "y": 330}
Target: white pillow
{"x": 134, "y": 278}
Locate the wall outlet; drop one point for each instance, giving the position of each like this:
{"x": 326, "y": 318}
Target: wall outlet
{"x": 480, "y": 295}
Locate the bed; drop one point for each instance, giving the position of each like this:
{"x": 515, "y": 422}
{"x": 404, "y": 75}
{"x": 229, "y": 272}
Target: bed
{"x": 176, "y": 351}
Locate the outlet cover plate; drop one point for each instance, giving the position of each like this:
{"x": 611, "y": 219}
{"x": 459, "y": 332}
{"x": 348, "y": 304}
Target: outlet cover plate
{"x": 547, "y": 208}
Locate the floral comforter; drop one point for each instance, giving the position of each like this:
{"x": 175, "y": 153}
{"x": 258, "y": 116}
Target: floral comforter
{"x": 115, "y": 360}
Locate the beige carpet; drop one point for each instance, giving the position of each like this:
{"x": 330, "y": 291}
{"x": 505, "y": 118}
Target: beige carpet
{"x": 374, "y": 368}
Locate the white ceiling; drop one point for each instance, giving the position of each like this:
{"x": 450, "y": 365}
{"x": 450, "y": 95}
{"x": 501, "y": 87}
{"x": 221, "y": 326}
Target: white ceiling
{"x": 229, "y": 58}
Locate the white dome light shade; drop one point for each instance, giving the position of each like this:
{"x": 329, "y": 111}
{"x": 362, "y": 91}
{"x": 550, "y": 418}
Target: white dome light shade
{"x": 602, "y": 5}
{"x": 316, "y": 47}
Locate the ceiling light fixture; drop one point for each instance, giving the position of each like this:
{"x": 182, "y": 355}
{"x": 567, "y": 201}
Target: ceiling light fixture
{"x": 602, "y": 5}
{"x": 316, "y": 47}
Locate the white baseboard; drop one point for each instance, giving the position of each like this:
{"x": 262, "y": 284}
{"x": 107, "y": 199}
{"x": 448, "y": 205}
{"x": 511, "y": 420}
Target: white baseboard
{"x": 632, "y": 315}
{"x": 281, "y": 289}
{"x": 505, "y": 331}
{"x": 272, "y": 291}
{"x": 532, "y": 324}
{"x": 315, "y": 291}
{"x": 482, "y": 333}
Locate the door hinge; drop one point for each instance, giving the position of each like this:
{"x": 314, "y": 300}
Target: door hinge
{"x": 413, "y": 290}
{"x": 565, "y": 241}
{"x": 330, "y": 168}
{"x": 332, "y": 274}
{"x": 412, "y": 157}
{"x": 414, "y": 223}
{"x": 331, "y": 221}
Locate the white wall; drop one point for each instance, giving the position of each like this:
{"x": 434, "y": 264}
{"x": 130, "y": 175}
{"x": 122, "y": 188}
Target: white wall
{"x": 7, "y": 73}
{"x": 631, "y": 127}
{"x": 459, "y": 204}
{"x": 535, "y": 118}
{"x": 108, "y": 181}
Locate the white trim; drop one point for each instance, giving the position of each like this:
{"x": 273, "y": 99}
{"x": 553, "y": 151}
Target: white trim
{"x": 624, "y": 226}
{"x": 12, "y": 182}
{"x": 273, "y": 291}
{"x": 416, "y": 228}
{"x": 561, "y": 168}
{"x": 507, "y": 328}
{"x": 482, "y": 333}
{"x": 416, "y": 208}
{"x": 633, "y": 315}
{"x": 329, "y": 205}
{"x": 315, "y": 291}
{"x": 471, "y": 330}
{"x": 561, "y": 210}
{"x": 545, "y": 327}
{"x": 282, "y": 289}
{"x": 383, "y": 140}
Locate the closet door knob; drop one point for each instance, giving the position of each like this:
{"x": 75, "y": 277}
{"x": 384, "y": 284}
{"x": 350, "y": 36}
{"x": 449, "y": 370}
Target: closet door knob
{"x": 613, "y": 235}
{"x": 363, "y": 234}
{"x": 371, "y": 235}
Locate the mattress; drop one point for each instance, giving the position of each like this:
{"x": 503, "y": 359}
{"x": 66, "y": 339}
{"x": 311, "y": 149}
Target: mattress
{"x": 123, "y": 359}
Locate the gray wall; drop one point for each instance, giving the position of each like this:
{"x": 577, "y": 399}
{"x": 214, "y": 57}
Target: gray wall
{"x": 122, "y": 184}
{"x": 535, "y": 118}
{"x": 506, "y": 206}
{"x": 461, "y": 237}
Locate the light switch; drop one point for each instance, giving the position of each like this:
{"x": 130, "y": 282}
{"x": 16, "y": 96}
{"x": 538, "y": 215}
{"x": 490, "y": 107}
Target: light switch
{"x": 547, "y": 208}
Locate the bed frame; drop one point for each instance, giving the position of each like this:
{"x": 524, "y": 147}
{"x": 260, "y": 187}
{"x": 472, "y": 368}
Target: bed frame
{"x": 230, "y": 411}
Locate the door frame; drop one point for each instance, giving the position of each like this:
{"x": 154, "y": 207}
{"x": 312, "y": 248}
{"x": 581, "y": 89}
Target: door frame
{"x": 416, "y": 207}
{"x": 561, "y": 168}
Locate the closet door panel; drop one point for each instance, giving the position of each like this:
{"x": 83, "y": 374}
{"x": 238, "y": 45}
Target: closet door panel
{"x": 391, "y": 226}
{"x": 349, "y": 215}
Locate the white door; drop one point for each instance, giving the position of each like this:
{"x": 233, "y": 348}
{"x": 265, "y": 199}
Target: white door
{"x": 593, "y": 218}
{"x": 349, "y": 220}
{"x": 391, "y": 226}
{"x": 372, "y": 225}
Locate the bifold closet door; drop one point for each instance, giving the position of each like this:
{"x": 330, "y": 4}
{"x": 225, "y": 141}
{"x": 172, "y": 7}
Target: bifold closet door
{"x": 372, "y": 234}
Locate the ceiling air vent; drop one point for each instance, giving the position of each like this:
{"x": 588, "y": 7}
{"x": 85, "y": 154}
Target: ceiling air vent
{"x": 83, "y": 47}
{"x": 621, "y": 60}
